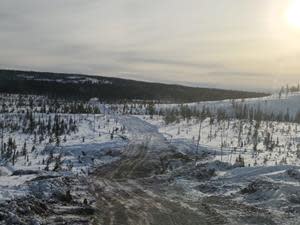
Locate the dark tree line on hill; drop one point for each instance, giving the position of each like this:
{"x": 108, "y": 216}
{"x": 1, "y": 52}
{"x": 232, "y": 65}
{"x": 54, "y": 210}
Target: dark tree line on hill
{"x": 107, "y": 89}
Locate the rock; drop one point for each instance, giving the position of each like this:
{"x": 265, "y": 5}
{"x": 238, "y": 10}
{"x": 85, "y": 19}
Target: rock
{"x": 203, "y": 173}
{"x": 293, "y": 173}
{"x": 259, "y": 185}
{"x": 25, "y": 172}
{"x": 206, "y": 188}
{"x": 34, "y": 222}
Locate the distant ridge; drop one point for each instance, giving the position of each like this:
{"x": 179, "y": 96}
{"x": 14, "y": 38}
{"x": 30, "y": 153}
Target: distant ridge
{"x": 84, "y": 87}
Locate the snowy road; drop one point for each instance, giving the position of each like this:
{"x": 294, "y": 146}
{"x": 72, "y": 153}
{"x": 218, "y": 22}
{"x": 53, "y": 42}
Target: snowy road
{"x": 143, "y": 132}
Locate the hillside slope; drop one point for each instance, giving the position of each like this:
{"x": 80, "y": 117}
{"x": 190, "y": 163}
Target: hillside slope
{"x": 109, "y": 89}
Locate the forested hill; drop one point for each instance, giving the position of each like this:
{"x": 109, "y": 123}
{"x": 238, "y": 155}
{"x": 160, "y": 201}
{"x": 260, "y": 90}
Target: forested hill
{"x": 59, "y": 85}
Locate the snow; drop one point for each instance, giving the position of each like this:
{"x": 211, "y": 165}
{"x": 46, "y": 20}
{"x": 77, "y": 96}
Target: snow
{"x": 187, "y": 132}
{"x": 270, "y": 104}
{"x": 269, "y": 179}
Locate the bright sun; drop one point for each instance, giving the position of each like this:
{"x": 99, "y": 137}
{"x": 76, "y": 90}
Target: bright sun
{"x": 293, "y": 14}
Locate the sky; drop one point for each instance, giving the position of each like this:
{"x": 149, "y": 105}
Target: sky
{"x": 232, "y": 44}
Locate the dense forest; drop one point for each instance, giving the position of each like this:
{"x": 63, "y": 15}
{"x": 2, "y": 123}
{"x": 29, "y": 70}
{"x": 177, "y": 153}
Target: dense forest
{"x": 75, "y": 86}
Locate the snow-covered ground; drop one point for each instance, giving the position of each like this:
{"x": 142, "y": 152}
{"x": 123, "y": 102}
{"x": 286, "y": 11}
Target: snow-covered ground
{"x": 228, "y": 134}
{"x": 80, "y": 150}
{"x": 257, "y": 163}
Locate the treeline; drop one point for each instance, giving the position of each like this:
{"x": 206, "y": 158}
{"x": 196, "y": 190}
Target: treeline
{"x": 74, "y": 86}
{"x": 39, "y": 104}
{"x": 238, "y": 111}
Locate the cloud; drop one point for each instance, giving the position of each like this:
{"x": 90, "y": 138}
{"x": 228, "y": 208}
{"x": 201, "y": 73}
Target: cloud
{"x": 132, "y": 58}
{"x": 208, "y": 42}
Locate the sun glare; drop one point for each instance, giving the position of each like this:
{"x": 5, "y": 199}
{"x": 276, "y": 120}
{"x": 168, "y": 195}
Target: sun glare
{"x": 293, "y": 14}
